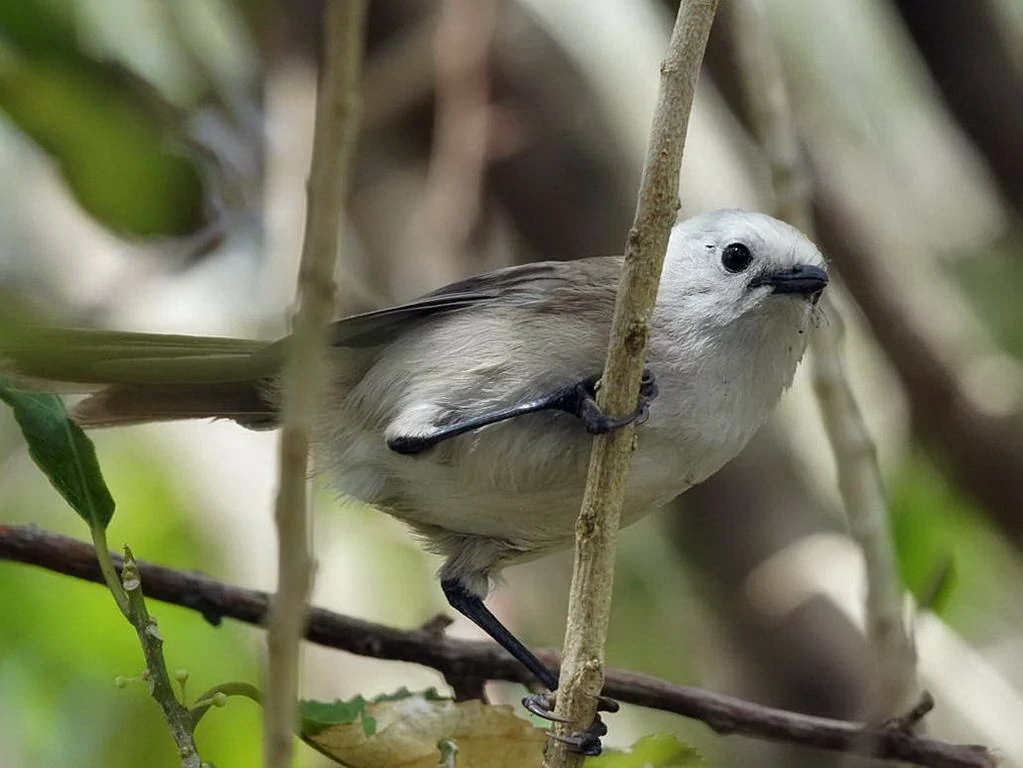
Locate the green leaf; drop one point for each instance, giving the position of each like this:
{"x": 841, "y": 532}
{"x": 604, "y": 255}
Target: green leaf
{"x": 113, "y": 148}
{"x": 318, "y": 716}
{"x": 40, "y": 25}
{"x": 420, "y": 730}
{"x": 662, "y": 750}
{"x": 62, "y": 451}
{"x": 935, "y": 594}
{"x": 934, "y": 533}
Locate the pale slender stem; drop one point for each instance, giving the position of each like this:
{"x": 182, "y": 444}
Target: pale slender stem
{"x": 202, "y": 704}
{"x": 859, "y": 478}
{"x": 860, "y": 484}
{"x": 337, "y": 108}
{"x": 106, "y": 567}
{"x": 582, "y": 671}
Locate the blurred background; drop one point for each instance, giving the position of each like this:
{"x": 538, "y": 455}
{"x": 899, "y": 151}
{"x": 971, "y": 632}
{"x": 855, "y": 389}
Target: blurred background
{"x": 153, "y": 156}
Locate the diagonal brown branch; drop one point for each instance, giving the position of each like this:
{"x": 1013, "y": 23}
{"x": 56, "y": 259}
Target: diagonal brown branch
{"x": 480, "y": 660}
{"x": 582, "y": 675}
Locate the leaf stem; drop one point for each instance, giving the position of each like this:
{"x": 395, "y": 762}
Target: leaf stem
{"x": 202, "y": 705}
{"x": 106, "y": 567}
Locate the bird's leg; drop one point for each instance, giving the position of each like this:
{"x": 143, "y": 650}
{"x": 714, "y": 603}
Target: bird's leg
{"x": 585, "y": 742}
{"x": 579, "y": 399}
{"x": 471, "y": 606}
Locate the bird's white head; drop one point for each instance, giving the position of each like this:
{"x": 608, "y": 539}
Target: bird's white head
{"x": 732, "y": 265}
{"x": 735, "y": 307}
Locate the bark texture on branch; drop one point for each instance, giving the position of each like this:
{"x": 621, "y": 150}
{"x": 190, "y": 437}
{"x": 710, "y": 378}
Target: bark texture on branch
{"x": 589, "y": 607}
{"x": 482, "y": 660}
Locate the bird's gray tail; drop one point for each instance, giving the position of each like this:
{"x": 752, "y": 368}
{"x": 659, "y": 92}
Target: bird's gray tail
{"x": 134, "y": 378}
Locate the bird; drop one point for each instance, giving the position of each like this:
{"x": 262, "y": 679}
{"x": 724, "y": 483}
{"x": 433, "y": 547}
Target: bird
{"x": 469, "y": 413}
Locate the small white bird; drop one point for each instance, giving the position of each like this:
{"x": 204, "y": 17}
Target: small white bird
{"x": 468, "y": 413}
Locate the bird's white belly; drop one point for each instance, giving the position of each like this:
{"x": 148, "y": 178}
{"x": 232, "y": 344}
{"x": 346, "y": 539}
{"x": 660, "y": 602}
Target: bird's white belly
{"x": 518, "y": 483}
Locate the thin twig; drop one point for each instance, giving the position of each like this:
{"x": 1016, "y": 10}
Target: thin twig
{"x": 210, "y": 698}
{"x": 302, "y": 378}
{"x": 727, "y": 715}
{"x": 859, "y": 478}
{"x": 160, "y": 687}
{"x": 126, "y": 586}
{"x": 582, "y": 675}
{"x": 860, "y": 484}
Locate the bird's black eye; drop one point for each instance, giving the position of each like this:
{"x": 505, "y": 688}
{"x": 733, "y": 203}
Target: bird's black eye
{"x": 736, "y": 257}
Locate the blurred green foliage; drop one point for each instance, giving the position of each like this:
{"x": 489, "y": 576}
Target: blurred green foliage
{"x": 45, "y": 26}
{"x": 63, "y": 642}
{"x": 938, "y": 528}
{"x": 659, "y": 751}
{"x": 993, "y": 281}
{"x": 117, "y": 145}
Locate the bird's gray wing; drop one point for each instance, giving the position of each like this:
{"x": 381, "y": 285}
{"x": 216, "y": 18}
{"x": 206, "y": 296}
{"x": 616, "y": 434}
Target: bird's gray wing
{"x": 537, "y": 280}
{"x": 370, "y": 329}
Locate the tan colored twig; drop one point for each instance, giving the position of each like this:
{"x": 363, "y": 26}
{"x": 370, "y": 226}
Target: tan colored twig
{"x": 334, "y": 141}
{"x": 482, "y": 660}
{"x": 582, "y": 672}
{"x": 859, "y": 477}
{"x": 860, "y": 484}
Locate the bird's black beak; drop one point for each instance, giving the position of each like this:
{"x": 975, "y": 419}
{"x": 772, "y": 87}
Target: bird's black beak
{"x": 802, "y": 278}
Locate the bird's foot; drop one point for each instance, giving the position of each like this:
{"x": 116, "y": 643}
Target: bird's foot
{"x": 585, "y": 742}
{"x": 596, "y": 421}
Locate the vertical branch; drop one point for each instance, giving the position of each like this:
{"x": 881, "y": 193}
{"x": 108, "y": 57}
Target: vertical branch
{"x": 302, "y": 379}
{"x": 582, "y": 670}
{"x": 859, "y": 478}
{"x": 859, "y": 482}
